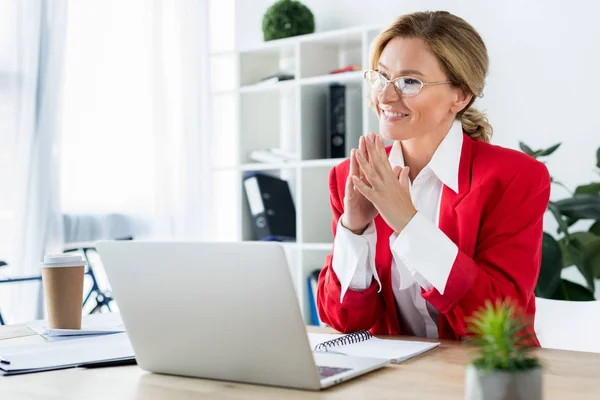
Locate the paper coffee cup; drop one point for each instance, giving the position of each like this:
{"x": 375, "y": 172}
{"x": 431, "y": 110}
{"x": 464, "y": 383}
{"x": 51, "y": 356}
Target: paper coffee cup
{"x": 62, "y": 277}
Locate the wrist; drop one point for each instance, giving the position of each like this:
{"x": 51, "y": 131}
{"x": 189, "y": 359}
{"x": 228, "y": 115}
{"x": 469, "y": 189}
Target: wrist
{"x": 405, "y": 220}
{"x": 354, "y": 230}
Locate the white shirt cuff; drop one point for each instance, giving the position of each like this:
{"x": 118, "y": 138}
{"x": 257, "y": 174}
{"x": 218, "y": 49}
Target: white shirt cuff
{"x": 426, "y": 252}
{"x": 354, "y": 258}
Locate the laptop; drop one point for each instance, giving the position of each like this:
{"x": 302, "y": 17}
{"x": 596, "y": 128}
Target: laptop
{"x": 225, "y": 311}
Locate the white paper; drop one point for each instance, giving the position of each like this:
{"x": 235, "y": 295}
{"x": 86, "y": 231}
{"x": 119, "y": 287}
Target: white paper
{"x": 91, "y": 325}
{"x": 64, "y": 354}
{"x": 396, "y": 351}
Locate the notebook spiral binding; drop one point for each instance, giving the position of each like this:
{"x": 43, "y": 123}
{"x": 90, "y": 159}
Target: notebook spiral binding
{"x": 350, "y": 338}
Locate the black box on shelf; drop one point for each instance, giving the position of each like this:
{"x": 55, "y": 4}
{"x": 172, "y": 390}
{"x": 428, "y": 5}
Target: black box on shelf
{"x": 343, "y": 119}
{"x": 272, "y": 207}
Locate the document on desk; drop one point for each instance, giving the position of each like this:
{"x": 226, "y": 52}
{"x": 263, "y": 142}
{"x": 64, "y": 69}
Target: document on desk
{"x": 23, "y": 359}
{"x": 108, "y": 324}
{"x": 396, "y": 351}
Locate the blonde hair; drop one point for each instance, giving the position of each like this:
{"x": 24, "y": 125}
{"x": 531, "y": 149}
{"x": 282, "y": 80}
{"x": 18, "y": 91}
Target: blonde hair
{"x": 460, "y": 51}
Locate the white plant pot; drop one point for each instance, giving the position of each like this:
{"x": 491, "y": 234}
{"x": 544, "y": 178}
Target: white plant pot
{"x": 501, "y": 385}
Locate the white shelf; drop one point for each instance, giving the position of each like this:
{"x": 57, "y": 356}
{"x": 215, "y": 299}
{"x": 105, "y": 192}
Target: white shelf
{"x": 322, "y": 163}
{"x": 291, "y": 115}
{"x": 339, "y": 36}
{"x": 345, "y": 77}
{"x": 316, "y": 246}
{"x": 266, "y": 166}
{"x": 327, "y": 162}
{"x": 265, "y": 87}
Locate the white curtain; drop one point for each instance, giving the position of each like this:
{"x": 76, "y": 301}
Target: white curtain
{"x": 181, "y": 137}
{"x": 33, "y": 72}
{"x": 135, "y": 112}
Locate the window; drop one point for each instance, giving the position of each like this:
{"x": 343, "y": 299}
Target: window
{"x": 107, "y": 141}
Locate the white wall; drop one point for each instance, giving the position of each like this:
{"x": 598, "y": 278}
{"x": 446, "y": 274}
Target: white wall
{"x": 543, "y": 84}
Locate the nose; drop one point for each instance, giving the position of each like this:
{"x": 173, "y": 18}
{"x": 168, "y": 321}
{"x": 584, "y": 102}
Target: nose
{"x": 388, "y": 94}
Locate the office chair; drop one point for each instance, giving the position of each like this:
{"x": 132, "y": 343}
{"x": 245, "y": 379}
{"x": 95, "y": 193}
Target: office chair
{"x": 568, "y": 325}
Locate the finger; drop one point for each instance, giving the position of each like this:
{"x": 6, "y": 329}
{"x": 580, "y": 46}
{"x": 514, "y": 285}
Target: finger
{"x": 397, "y": 170}
{"x": 349, "y": 185}
{"x": 377, "y": 156}
{"x": 363, "y": 148}
{"x": 368, "y": 172}
{"x": 354, "y": 170}
{"x": 403, "y": 178}
{"x": 363, "y": 188}
{"x": 383, "y": 157}
{"x": 370, "y": 148}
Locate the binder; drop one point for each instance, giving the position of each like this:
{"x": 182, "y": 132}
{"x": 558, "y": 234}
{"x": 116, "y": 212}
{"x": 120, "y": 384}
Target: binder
{"x": 312, "y": 287}
{"x": 272, "y": 207}
{"x": 343, "y": 119}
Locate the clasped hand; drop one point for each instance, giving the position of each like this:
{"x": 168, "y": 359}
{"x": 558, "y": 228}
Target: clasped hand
{"x": 385, "y": 188}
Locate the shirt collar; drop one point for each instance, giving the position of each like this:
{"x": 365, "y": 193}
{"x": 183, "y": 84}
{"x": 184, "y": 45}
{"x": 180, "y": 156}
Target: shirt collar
{"x": 446, "y": 159}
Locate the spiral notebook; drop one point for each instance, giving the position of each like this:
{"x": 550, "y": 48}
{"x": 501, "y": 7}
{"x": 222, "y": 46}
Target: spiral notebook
{"x": 363, "y": 344}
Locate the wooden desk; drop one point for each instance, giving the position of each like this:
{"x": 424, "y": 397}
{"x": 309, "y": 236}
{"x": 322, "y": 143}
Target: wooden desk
{"x": 438, "y": 374}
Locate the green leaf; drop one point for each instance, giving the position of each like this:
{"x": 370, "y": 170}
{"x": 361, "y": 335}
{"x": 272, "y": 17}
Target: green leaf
{"x": 526, "y": 149}
{"x": 571, "y": 291}
{"x": 552, "y": 264}
{"x": 598, "y": 158}
{"x": 576, "y": 249}
{"x": 562, "y": 225}
{"x": 595, "y": 228}
{"x": 549, "y": 150}
{"x": 585, "y": 206}
{"x": 592, "y": 188}
{"x": 563, "y": 243}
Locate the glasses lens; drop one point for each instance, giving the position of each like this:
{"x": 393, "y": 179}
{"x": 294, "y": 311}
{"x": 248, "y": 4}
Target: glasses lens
{"x": 375, "y": 80}
{"x": 409, "y": 86}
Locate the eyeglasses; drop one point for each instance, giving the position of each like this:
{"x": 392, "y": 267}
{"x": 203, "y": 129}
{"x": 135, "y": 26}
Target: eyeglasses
{"x": 407, "y": 86}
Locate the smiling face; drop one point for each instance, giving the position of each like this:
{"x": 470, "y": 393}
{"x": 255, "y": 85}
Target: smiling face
{"x": 432, "y": 109}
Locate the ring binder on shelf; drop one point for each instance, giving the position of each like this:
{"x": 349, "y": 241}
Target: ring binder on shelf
{"x": 350, "y": 338}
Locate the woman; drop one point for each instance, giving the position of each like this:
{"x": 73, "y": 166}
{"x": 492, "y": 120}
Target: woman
{"x": 428, "y": 229}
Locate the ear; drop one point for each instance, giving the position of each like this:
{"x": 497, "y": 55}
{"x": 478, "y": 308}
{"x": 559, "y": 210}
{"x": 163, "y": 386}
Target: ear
{"x": 461, "y": 100}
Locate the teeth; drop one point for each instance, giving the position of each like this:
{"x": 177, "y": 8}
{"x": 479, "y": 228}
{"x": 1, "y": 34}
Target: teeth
{"x": 393, "y": 114}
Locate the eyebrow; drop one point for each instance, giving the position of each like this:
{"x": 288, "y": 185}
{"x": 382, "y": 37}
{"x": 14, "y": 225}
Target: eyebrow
{"x": 403, "y": 72}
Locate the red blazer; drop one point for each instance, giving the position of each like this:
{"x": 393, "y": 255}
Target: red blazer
{"x": 496, "y": 222}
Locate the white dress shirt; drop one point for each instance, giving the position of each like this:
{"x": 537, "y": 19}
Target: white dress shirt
{"x": 422, "y": 255}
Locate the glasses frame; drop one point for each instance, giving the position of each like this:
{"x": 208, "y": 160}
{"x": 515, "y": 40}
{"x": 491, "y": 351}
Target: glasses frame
{"x": 393, "y": 82}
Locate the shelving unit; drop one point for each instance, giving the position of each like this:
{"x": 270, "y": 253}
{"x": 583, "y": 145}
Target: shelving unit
{"x": 289, "y": 115}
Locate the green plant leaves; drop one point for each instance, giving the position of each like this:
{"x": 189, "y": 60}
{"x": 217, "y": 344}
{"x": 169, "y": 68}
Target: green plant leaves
{"x": 595, "y": 229}
{"x": 499, "y": 332}
{"x": 549, "y": 150}
{"x": 592, "y": 188}
{"x": 571, "y": 291}
{"x": 585, "y": 206}
{"x": 563, "y": 227}
{"x": 577, "y": 252}
{"x": 581, "y": 249}
{"x": 552, "y": 265}
{"x": 538, "y": 153}
{"x": 286, "y": 18}
{"x": 526, "y": 149}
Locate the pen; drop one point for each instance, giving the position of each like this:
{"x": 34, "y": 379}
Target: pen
{"x": 3, "y": 361}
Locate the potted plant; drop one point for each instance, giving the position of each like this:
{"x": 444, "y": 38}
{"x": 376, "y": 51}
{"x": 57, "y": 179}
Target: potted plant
{"x": 568, "y": 247}
{"x": 286, "y": 18}
{"x": 504, "y": 370}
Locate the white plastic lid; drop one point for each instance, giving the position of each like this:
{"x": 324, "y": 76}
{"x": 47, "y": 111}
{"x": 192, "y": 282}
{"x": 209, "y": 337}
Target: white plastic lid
{"x": 63, "y": 260}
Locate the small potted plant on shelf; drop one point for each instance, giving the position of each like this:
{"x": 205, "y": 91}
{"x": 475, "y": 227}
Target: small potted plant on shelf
{"x": 504, "y": 370}
{"x": 287, "y": 18}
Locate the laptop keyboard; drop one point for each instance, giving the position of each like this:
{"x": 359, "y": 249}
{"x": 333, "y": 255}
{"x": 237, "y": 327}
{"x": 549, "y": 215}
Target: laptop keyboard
{"x": 326, "y": 372}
